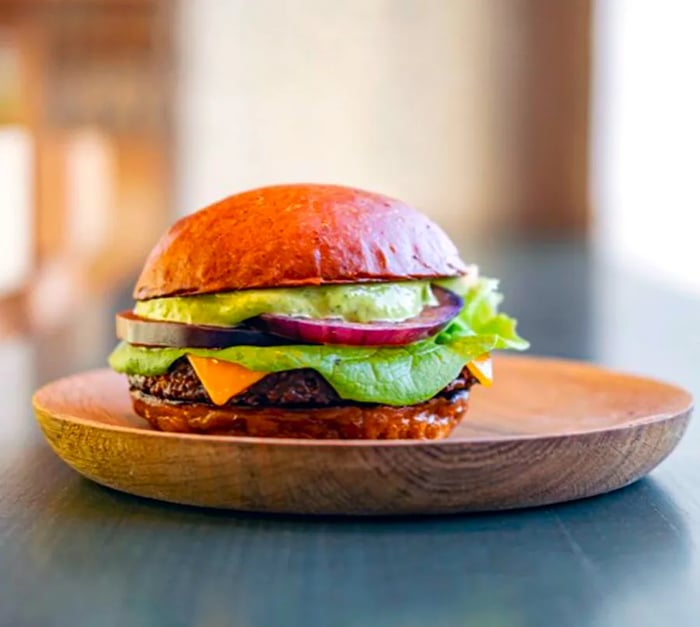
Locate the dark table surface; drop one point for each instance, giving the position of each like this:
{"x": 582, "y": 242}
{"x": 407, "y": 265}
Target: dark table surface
{"x": 74, "y": 553}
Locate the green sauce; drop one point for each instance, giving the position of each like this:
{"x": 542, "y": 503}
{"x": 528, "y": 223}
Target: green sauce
{"x": 353, "y": 303}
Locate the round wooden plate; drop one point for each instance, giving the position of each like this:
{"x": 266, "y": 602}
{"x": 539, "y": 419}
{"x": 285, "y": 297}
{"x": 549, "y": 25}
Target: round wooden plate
{"x": 547, "y": 431}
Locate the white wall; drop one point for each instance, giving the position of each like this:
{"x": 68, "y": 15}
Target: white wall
{"x": 384, "y": 94}
{"x": 646, "y": 157}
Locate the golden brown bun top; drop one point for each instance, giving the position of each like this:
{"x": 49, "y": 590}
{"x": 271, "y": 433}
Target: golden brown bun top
{"x": 294, "y": 235}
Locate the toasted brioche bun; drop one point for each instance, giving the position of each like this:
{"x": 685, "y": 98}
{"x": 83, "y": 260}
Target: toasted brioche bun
{"x": 295, "y": 235}
{"x": 432, "y": 419}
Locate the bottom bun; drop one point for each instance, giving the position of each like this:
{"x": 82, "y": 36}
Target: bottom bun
{"x": 432, "y": 419}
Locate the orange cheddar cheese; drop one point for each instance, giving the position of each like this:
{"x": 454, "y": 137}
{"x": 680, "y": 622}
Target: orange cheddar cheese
{"x": 222, "y": 379}
{"x": 482, "y": 369}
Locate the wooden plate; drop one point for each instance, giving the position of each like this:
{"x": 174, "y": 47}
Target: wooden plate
{"x": 547, "y": 431}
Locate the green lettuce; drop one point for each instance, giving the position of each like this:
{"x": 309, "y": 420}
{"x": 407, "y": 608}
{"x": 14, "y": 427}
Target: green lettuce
{"x": 391, "y": 376}
{"x": 479, "y": 315}
{"x": 388, "y": 375}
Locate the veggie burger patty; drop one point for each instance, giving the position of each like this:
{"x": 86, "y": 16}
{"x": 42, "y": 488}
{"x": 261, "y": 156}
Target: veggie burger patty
{"x": 291, "y": 388}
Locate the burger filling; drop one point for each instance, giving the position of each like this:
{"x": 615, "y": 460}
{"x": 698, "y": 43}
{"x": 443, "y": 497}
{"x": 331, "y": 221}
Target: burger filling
{"x": 391, "y": 302}
{"x": 384, "y": 343}
{"x": 291, "y": 388}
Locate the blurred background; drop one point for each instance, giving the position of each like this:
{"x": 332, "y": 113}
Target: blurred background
{"x": 539, "y": 133}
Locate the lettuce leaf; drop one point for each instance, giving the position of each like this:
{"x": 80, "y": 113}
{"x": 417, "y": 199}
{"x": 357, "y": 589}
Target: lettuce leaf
{"x": 388, "y": 375}
{"x": 479, "y": 316}
{"x": 391, "y": 376}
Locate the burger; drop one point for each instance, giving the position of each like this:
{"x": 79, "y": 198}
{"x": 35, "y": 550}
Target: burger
{"x": 309, "y": 311}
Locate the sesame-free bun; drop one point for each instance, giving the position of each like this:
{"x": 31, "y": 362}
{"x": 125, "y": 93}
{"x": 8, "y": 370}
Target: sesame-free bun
{"x": 432, "y": 419}
{"x": 295, "y": 235}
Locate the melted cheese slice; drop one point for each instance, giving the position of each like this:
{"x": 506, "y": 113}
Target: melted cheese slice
{"x": 482, "y": 369}
{"x": 222, "y": 379}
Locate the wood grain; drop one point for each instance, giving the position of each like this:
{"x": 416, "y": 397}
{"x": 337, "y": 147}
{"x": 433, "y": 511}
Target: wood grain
{"x": 547, "y": 431}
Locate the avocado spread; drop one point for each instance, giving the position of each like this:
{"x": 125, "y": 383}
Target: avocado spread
{"x": 367, "y": 302}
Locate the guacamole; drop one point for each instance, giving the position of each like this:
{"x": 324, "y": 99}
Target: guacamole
{"x": 367, "y": 302}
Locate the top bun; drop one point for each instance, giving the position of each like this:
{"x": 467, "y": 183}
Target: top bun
{"x": 295, "y": 235}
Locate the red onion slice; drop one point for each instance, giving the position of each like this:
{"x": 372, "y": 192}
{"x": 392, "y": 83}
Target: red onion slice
{"x": 328, "y": 331}
{"x": 144, "y": 332}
